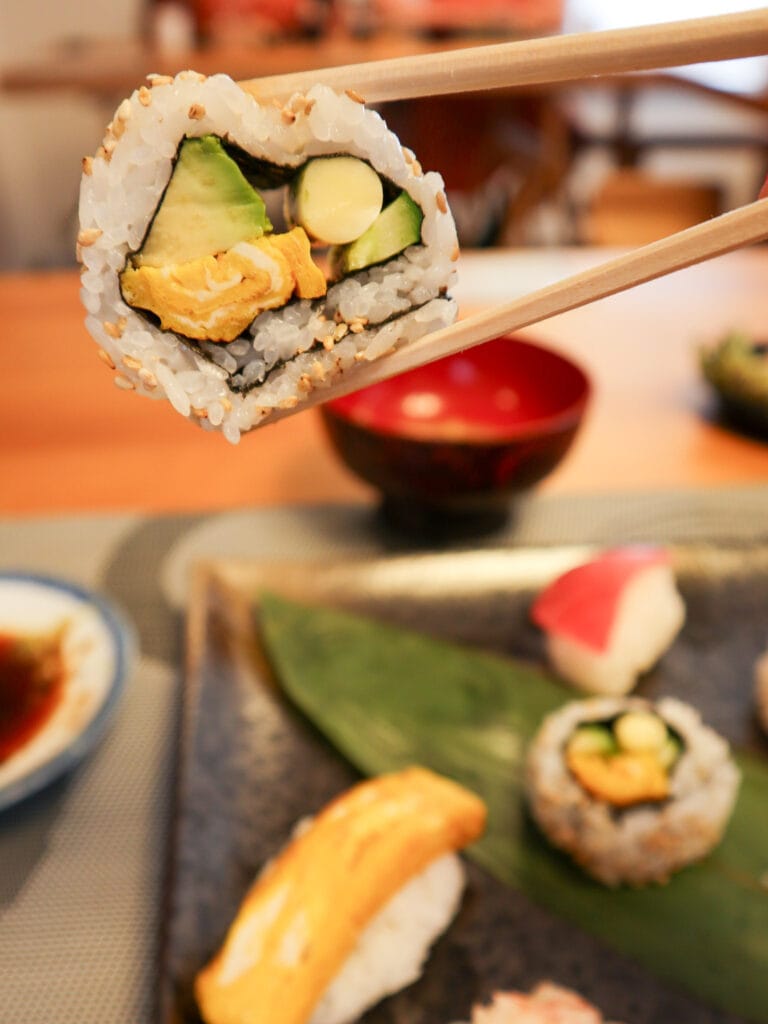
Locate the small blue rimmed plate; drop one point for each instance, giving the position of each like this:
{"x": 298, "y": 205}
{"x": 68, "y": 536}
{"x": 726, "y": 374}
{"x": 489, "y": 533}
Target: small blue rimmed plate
{"x": 98, "y": 647}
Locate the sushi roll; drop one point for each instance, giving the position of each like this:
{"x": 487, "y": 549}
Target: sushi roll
{"x": 631, "y": 790}
{"x": 346, "y": 914}
{"x": 237, "y": 256}
{"x": 547, "y": 1003}
{"x": 611, "y": 619}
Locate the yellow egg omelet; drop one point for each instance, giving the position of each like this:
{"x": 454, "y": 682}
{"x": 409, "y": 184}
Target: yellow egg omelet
{"x": 216, "y": 297}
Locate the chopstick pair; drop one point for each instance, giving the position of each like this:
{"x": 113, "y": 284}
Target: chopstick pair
{"x": 565, "y": 58}
{"x": 559, "y": 58}
{"x": 744, "y": 226}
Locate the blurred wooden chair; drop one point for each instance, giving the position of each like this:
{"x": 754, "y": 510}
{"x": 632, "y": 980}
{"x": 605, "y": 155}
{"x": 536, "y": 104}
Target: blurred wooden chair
{"x": 632, "y": 207}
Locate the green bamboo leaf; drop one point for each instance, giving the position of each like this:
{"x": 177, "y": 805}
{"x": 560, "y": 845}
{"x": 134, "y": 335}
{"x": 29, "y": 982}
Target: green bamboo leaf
{"x": 387, "y": 697}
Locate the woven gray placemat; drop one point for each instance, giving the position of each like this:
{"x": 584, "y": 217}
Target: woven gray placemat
{"x": 82, "y": 865}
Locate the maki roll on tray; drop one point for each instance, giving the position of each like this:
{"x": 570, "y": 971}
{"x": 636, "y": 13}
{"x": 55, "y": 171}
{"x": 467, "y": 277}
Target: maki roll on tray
{"x": 238, "y": 256}
{"x": 633, "y": 791}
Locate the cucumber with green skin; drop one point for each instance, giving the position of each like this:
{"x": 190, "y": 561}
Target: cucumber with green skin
{"x": 593, "y": 738}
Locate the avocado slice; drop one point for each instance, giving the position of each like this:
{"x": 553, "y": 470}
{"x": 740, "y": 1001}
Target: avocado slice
{"x": 592, "y": 738}
{"x": 397, "y": 226}
{"x": 208, "y": 206}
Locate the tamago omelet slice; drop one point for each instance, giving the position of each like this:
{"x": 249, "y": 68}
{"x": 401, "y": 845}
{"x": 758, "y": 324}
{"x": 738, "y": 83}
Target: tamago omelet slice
{"x": 305, "y": 914}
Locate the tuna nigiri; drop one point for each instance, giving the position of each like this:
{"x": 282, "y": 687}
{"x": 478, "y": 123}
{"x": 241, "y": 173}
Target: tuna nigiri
{"x": 611, "y": 619}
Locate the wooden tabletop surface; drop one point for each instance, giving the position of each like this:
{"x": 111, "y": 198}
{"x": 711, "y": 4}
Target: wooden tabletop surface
{"x": 72, "y": 442}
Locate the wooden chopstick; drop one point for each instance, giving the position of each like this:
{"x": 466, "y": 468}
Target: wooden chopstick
{"x": 744, "y": 226}
{"x": 562, "y": 58}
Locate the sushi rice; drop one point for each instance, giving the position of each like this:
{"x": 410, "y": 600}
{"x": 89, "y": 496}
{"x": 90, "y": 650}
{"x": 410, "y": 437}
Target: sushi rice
{"x": 643, "y": 843}
{"x": 287, "y": 353}
{"x": 546, "y": 1003}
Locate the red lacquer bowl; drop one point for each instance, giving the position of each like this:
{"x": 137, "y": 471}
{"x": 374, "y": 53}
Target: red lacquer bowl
{"x": 465, "y": 434}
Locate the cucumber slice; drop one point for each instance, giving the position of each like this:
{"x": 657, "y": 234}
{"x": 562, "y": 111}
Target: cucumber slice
{"x": 592, "y": 739}
{"x": 335, "y": 198}
{"x": 638, "y": 731}
{"x": 397, "y": 226}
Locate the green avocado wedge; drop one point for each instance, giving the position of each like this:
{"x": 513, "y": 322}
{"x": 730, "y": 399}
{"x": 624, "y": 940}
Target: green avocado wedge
{"x": 386, "y": 697}
{"x": 396, "y": 227}
{"x": 208, "y": 207}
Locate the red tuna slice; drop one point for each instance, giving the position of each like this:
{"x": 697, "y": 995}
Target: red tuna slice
{"x": 583, "y": 603}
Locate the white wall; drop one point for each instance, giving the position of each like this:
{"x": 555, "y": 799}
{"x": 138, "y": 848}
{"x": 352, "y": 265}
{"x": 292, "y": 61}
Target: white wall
{"x": 49, "y": 134}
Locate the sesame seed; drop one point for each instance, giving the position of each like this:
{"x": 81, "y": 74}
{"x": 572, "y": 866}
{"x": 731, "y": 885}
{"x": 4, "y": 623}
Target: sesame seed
{"x": 455, "y": 254}
{"x": 442, "y": 204}
{"x": 131, "y": 362}
{"x": 202, "y": 414}
{"x": 287, "y": 116}
{"x": 305, "y": 382}
{"x": 87, "y": 236}
{"x": 226, "y": 404}
{"x": 118, "y": 129}
{"x": 88, "y": 165}
{"x": 416, "y": 168}
{"x": 147, "y": 378}
{"x": 124, "y": 111}
{"x": 101, "y": 152}
{"x": 289, "y": 403}
{"x": 109, "y": 148}
{"x": 356, "y": 327}
{"x": 159, "y": 80}
{"x": 328, "y": 343}
{"x": 145, "y": 96}
{"x": 340, "y": 331}
{"x": 196, "y": 112}
{"x": 105, "y": 357}
{"x": 123, "y": 382}
{"x": 353, "y": 95}
{"x": 308, "y": 105}
{"x": 113, "y": 330}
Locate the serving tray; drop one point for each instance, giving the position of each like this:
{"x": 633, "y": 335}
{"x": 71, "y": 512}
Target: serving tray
{"x": 250, "y": 764}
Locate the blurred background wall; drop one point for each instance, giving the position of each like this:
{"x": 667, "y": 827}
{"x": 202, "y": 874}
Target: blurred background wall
{"x": 46, "y": 136}
{"x": 551, "y": 173}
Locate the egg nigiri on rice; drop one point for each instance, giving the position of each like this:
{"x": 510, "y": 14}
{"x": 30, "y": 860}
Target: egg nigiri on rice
{"x": 346, "y": 914}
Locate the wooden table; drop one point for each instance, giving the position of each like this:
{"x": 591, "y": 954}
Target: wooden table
{"x": 71, "y": 441}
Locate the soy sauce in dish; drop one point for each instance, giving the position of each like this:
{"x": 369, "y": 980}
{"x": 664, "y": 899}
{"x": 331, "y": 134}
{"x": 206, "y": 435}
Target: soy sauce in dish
{"x": 32, "y": 675}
